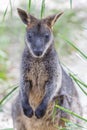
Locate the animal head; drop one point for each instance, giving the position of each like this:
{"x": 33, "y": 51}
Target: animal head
{"x": 39, "y": 36}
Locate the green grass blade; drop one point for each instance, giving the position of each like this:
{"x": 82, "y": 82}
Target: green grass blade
{"x": 78, "y": 79}
{"x": 84, "y": 27}
{"x": 74, "y": 46}
{"x": 54, "y": 111}
{"x": 42, "y": 8}
{"x": 5, "y": 12}
{"x": 71, "y": 4}
{"x": 82, "y": 88}
{"x": 7, "y": 129}
{"x": 68, "y": 121}
{"x": 1, "y": 102}
{"x": 29, "y": 5}
{"x": 3, "y": 54}
{"x": 11, "y": 7}
{"x": 79, "y": 83}
{"x": 70, "y": 112}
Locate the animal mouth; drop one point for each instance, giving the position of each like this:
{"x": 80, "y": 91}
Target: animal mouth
{"x": 38, "y": 53}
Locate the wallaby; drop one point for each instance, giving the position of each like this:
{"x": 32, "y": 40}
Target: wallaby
{"x": 43, "y": 81}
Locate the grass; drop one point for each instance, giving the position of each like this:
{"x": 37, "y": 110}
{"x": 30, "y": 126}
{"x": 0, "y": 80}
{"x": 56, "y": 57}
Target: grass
{"x": 79, "y": 82}
{"x": 74, "y": 46}
{"x": 3, "y": 65}
{"x": 5, "y": 12}
{"x": 70, "y": 112}
{"x": 7, "y": 129}
{"x": 29, "y": 5}
{"x": 8, "y": 95}
{"x": 71, "y": 4}
{"x": 42, "y": 9}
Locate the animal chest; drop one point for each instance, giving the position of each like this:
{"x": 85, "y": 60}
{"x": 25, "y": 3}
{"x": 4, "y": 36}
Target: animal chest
{"x": 38, "y": 76}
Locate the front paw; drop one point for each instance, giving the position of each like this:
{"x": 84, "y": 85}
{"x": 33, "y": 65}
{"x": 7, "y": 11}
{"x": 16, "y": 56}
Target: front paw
{"x": 28, "y": 111}
{"x": 40, "y": 111}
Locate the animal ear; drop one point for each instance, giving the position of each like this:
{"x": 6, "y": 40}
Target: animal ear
{"x": 26, "y": 18}
{"x": 50, "y": 21}
{"x": 23, "y": 15}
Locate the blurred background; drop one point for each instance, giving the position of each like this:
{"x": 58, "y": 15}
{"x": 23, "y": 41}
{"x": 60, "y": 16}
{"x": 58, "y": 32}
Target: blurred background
{"x": 70, "y": 34}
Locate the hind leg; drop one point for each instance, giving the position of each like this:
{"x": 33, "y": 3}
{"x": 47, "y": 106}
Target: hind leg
{"x": 72, "y": 105}
{"x": 17, "y": 113}
{"x": 64, "y": 102}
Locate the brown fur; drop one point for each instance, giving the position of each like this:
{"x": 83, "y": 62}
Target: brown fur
{"x": 38, "y": 76}
{"x": 43, "y": 82}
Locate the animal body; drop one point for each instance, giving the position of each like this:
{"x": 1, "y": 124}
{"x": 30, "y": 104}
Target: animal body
{"x": 42, "y": 80}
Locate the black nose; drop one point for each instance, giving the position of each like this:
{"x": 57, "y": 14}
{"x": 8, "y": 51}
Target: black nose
{"x": 38, "y": 52}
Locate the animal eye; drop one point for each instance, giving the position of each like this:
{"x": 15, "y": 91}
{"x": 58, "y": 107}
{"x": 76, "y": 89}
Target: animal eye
{"x": 47, "y": 36}
{"x": 30, "y": 35}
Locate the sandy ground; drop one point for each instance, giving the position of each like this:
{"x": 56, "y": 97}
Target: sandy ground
{"x": 74, "y": 62}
